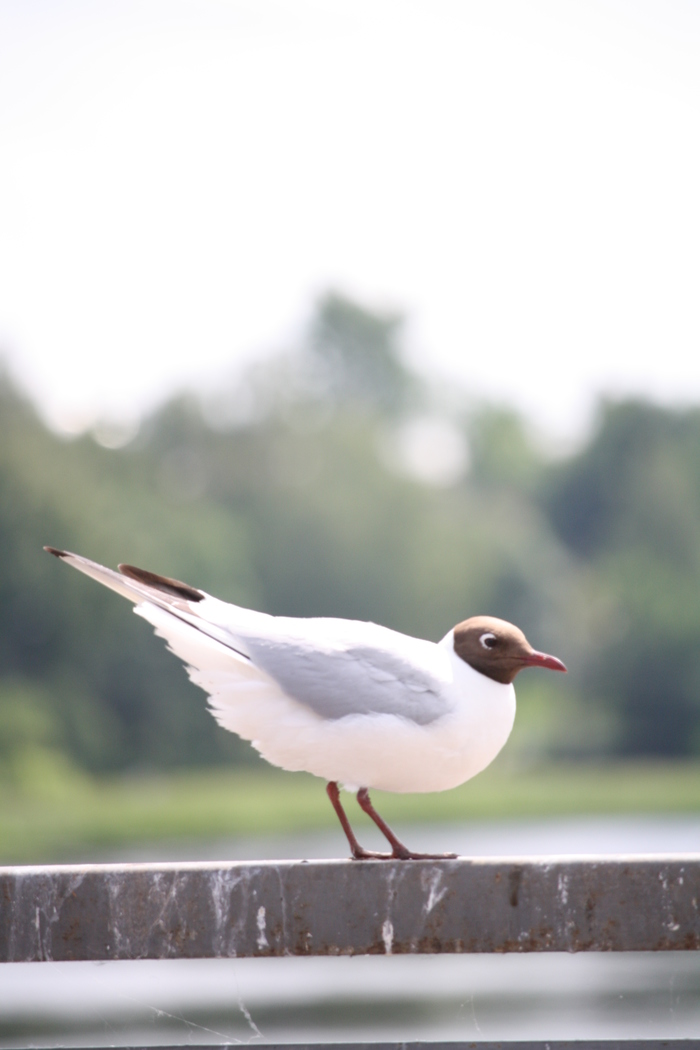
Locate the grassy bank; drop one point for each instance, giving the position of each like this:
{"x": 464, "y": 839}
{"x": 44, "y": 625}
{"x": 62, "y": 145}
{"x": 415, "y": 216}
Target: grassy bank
{"x": 61, "y": 817}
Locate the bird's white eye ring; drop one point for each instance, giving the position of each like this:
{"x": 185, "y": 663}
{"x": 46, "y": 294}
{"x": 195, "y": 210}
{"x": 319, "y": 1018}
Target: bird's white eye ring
{"x": 488, "y": 640}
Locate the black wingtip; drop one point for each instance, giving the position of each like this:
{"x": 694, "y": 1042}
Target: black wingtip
{"x": 56, "y": 553}
{"x": 162, "y": 583}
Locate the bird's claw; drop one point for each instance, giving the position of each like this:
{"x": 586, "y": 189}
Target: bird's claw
{"x": 403, "y": 854}
{"x": 409, "y": 855}
{"x": 370, "y": 854}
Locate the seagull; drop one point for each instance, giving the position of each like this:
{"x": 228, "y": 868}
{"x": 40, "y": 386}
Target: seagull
{"x": 359, "y": 705}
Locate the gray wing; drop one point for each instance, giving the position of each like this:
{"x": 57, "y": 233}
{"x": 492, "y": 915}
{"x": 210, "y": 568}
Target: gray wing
{"x": 360, "y": 679}
{"x": 329, "y": 665}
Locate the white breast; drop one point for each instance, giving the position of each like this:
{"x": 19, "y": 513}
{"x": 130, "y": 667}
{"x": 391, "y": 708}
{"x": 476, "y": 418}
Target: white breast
{"x": 382, "y": 751}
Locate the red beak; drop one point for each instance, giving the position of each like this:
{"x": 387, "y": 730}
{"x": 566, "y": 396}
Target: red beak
{"x": 535, "y": 659}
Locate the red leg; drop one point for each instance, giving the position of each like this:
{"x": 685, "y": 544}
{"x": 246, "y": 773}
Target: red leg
{"x": 398, "y": 850}
{"x": 358, "y": 852}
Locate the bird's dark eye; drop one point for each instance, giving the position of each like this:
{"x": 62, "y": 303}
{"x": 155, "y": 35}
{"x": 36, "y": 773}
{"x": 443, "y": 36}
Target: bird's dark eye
{"x": 488, "y": 640}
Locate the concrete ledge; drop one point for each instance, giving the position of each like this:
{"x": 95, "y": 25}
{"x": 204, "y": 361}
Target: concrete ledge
{"x": 213, "y": 910}
{"x": 550, "y": 1044}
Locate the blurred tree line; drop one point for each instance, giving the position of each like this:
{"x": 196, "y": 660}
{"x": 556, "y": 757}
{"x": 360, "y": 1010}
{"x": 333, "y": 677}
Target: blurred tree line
{"x": 332, "y": 480}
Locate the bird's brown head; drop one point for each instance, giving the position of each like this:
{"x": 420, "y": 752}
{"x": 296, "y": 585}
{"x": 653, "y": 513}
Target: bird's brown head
{"x": 498, "y": 649}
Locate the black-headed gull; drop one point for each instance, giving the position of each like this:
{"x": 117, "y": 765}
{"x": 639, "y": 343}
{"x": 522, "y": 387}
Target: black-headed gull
{"x": 354, "y": 703}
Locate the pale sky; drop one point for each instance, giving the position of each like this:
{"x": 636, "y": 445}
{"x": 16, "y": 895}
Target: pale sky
{"x": 180, "y": 178}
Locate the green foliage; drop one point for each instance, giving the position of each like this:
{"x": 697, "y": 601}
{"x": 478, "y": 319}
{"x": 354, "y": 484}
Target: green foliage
{"x": 635, "y": 485}
{"x": 502, "y": 452}
{"x": 629, "y": 507}
{"x": 117, "y": 697}
{"x": 288, "y": 504}
{"x": 353, "y": 357}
